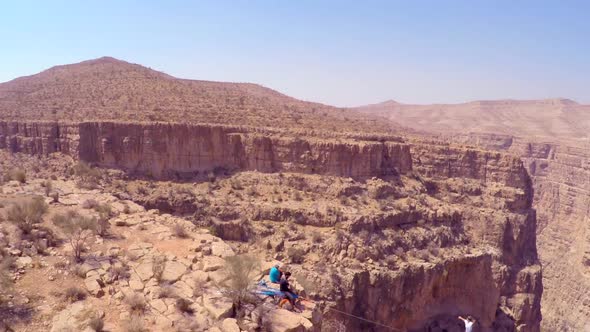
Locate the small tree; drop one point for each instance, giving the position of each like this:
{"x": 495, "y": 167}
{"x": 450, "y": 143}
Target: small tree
{"x": 26, "y": 214}
{"x": 240, "y": 271}
{"x": 78, "y": 230}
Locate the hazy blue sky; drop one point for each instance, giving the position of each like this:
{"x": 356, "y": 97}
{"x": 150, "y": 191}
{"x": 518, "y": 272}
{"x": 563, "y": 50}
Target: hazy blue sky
{"x": 338, "y": 52}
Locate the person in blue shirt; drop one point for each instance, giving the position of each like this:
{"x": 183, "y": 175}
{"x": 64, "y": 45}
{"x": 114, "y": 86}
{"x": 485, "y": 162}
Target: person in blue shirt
{"x": 275, "y": 274}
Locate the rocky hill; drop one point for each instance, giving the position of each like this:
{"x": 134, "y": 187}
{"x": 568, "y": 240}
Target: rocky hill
{"x": 111, "y": 89}
{"x": 382, "y": 231}
{"x": 551, "y": 136}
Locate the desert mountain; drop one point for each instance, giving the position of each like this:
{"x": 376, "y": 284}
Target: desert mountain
{"x": 111, "y": 89}
{"x": 548, "y": 117}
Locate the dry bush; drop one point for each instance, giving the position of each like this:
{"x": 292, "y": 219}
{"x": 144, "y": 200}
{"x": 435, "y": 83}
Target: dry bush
{"x": 74, "y": 294}
{"x": 96, "y": 324}
{"x": 89, "y": 177}
{"x": 184, "y": 306}
{"x": 134, "y": 324}
{"x": 90, "y": 203}
{"x": 77, "y": 228}
{"x": 297, "y": 255}
{"x": 5, "y": 282}
{"x": 47, "y": 187}
{"x": 79, "y": 271}
{"x": 26, "y": 214}
{"x": 240, "y": 271}
{"x": 18, "y": 175}
{"x": 55, "y": 197}
{"x": 158, "y": 267}
{"x": 317, "y": 237}
{"x": 136, "y": 303}
{"x": 119, "y": 272}
{"x": 166, "y": 291}
{"x": 179, "y": 231}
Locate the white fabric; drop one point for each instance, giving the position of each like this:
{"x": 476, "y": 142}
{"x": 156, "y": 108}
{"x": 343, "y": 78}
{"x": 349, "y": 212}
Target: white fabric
{"x": 468, "y": 326}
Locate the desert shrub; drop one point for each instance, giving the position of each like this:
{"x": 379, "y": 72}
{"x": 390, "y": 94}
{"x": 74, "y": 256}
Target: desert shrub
{"x": 26, "y": 214}
{"x": 423, "y": 254}
{"x": 134, "y": 324}
{"x": 166, "y": 291}
{"x": 119, "y": 272}
{"x": 53, "y": 177}
{"x": 236, "y": 184}
{"x": 317, "y": 237}
{"x": 297, "y": 255}
{"x": 54, "y": 197}
{"x": 5, "y": 282}
{"x": 90, "y": 203}
{"x": 136, "y": 303}
{"x": 19, "y": 175}
{"x": 96, "y": 324}
{"x": 74, "y": 294}
{"x": 240, "y": 271}
{"x": 211, "y": 177}
{"x": 47, "y": 187}
{"x": 179, "y": 231}
{"x": 399, "y": 252}
{"x": 77, "y": 228}
{"x": 79, "y": 271}
{"x": 184, "y": 306}
{"x": 158, "y": 266}
{"x": 89, "y": 177}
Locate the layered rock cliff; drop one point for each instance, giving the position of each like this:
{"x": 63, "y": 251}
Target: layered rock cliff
{"x": 560, "y": 170}
{"x": 436, "y": 230}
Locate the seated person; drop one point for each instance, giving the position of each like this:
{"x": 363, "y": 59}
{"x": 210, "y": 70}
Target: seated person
{"x": 286, "y": 289}
{"x": 275, "y": 274}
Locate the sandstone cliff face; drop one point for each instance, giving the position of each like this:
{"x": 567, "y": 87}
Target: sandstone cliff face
{"x": 507, "y": 272}
{"x": 165, "y": 150}
{"x": 39, "y": 137}
{"x": 561, "y": 175}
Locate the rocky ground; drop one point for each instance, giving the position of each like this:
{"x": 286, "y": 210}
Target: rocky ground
{"x": 393, "y": 250}
{"x": 132, "y": 278}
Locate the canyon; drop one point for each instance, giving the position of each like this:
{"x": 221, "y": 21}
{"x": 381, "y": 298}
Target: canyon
{"x": 399, "y": 215}
{"x": 551, "y": 137}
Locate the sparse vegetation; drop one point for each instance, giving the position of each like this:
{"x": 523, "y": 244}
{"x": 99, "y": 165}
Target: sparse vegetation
{"x": 158, "y": 266}
{"x": 136, "y": 303}
{"x": 89, "y": 177}
{"x": 77, "y": 228}
{"x": 184, "y": 306}
{"x": 134, "y": 324}
{"x": 96, "y": 324}
{"x": 241, "y": 270}
{"x": 297, "y": 255}
{"x": 179, "y": 231}
{"x": 26, "y": 214}
{"x": 73, "y": 294}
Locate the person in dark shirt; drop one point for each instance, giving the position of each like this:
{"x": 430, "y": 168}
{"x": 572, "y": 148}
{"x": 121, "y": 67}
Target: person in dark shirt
{"x": 286, "y": 289}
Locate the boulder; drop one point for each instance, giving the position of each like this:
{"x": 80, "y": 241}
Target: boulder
{"x": 94, "y": 286}
{"x": 230, "y": 325}
{"x": 221, "y": 249}
{"x": 281, "y": 320}
{"x": 173, "y": 271}
{"x": 212, "y": 263}
{"x": 145, "y": 270}
{"x": 217, "y": 306}
{"x": 73, "y": 318}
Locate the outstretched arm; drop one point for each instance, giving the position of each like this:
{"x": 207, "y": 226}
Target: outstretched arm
{"x": 461, "y": 318}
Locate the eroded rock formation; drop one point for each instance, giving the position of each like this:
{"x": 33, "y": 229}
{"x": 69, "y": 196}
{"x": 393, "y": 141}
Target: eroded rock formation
{"x": 467, "y": 209}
